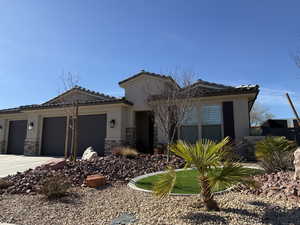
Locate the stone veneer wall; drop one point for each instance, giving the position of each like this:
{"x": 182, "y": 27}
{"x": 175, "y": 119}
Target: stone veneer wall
{"x": 31, "y": 147}
{"x": 155, "y": 137}
{"x": 130, "y": 137}
{"x": 2, "y": 147}
{"x": 110, "y": 144}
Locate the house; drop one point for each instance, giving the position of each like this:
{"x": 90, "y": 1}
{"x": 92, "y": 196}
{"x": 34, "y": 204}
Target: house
{"x": 106, "y": 121}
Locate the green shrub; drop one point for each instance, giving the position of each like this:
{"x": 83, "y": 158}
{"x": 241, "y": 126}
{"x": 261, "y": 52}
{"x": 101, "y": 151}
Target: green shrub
{"x": 4, "y": 184}
{"x": 275, "y": 153}
{"x": 55, "y": 186}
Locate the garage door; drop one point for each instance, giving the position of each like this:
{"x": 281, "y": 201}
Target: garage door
{"x": 16, "y": 137}
{"x": 92, "y": 132}
{"x": 54, "y": 135}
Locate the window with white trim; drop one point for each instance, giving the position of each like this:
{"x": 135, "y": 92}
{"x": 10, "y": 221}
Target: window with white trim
{"x": 211, "y": 122}
{"x": 189, "y": 129}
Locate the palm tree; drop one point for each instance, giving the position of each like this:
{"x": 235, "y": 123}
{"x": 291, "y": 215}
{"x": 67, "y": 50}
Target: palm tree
{"x": 216, "y": 170}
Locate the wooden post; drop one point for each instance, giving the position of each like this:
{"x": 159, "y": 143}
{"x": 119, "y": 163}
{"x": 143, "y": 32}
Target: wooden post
{"x": 293, "y": 108}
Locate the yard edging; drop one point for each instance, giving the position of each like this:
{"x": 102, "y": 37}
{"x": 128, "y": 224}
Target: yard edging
{"x": 132, "y": 183}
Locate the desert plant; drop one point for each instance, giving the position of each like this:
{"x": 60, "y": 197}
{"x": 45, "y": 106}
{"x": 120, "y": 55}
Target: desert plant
{"x": 215, "y": 170}
{"x": 55, "y": 186}
{"x": 4, "y": 184}
{"x": 275, "y": 153}
{"x": 125, "y": 152}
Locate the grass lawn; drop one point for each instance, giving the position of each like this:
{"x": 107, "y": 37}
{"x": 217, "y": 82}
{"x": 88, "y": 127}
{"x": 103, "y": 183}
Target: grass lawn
{"x": 186, "y": 182}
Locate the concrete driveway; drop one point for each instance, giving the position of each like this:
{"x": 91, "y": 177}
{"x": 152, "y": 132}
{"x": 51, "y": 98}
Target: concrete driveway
{"x": 11, "y": 164}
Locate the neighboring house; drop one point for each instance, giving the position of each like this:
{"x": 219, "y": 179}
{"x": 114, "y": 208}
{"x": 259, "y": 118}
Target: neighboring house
{"x": 106, "y": 121}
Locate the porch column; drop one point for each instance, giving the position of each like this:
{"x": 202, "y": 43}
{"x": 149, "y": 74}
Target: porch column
{"x": 31, "y": 145}
{"x": 3, "y": 131}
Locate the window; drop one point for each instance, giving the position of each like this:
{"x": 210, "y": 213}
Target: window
{"x": 189, "y": 128}
{"x": 211, "y": 122}
{"x": 191, "y": 117}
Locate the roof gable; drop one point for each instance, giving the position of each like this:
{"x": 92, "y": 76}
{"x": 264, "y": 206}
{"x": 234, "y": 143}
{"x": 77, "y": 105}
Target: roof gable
{"x": 78, "y": 94}
{"x": 145, "y": 73}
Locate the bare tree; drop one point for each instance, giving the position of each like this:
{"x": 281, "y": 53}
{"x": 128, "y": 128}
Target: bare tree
{"x": 172, "y": 105}
{"x": 259, "y": 114}
{"x": 70, "y": 81}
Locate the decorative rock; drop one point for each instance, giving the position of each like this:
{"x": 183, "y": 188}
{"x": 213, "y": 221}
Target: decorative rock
{"x": 124, "y": 219}
{"x": 89, "y": 154}
{"x": 94, "y": 181}
{"x": 297, "y": 163}
{"x": 116, "y": 169}
{"x": 56, "y": 164}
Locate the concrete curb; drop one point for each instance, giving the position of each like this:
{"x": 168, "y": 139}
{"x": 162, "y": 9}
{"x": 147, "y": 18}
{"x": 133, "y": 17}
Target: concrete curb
{"x": 132, "y": 183}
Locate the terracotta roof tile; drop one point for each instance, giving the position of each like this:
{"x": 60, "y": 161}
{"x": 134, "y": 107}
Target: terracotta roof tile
{"x": 97, "y": 94}
{"x": 58, "y": 105}
{"x": 143, "y": 72}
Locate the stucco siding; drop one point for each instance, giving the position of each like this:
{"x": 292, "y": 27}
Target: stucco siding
{"x": 118, "y": 112}
{"x": 241, "y": 118}
{"x": 138, "y": 90}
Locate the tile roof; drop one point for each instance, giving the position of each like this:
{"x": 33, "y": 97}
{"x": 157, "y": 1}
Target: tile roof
{"x": 203, "y": 82}
{"x": 58, "y": 105}
{"x": 79, "y": 88}
{"x": 209, "y": 89}
{"x": 143, "y": 72}
{"x": 204, "y": 92}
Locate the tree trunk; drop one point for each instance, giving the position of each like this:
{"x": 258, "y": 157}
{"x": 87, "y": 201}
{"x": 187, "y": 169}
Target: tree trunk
{"x": 208, "y": 199}
{"x": 168, "y": 152}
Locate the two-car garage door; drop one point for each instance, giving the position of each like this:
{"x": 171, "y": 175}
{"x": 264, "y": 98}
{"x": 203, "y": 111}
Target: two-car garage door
{"x": 91, "y": 132}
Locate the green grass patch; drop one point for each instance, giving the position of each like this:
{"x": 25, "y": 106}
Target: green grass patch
{"x": 186, "y": 182}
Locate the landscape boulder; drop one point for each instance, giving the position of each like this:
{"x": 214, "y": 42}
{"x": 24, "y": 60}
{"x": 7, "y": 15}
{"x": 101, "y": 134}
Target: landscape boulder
{"x": 89, "y": 154}
{"x": 94, "y": 181}
{"x": 55, "y": 164}
{"x": 297, "y": 164}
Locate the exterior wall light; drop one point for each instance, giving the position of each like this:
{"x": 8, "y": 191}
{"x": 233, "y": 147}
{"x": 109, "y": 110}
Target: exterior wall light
{"x": 31, "y": 125}
{"x": 112, "y": 123}
{"x": 1, "y": 128}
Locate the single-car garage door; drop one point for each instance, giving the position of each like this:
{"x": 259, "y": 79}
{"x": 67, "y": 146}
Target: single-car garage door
{"x": 92, "y": 132}
{"x": 54, "y": 136}
{"x": 16, "y": 137}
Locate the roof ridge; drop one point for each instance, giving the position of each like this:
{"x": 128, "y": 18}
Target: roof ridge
{"x": 200, "y": 81}
{"x": 93, "y": 92}
{"x": 77, "y": 87}
{"x": 143, "y": 72}
{"x": 91, "y": 102}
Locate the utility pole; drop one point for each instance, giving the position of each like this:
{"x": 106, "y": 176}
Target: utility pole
{"x": 293, "y": 108}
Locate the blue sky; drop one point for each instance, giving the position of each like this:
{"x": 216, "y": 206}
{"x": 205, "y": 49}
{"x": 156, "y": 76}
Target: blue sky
{"x": 103, "y": 42}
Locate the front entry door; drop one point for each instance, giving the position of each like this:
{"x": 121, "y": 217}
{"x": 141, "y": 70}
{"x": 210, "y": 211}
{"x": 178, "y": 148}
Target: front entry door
{"x": 144, "y": 121}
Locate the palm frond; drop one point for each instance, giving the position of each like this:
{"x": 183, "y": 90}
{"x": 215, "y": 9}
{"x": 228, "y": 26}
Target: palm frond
{"x": 209, "y": 154}
{"x": 164, "y": 185}
{"x": 204, "y": 154}
{"x": 230, "y": 174}
{"x": 181, "y": 149}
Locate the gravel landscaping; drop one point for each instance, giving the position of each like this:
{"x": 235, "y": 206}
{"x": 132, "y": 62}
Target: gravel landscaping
{"x": 114, "y": 168}
{"x": 91, "y": 206}
{"x": 275, "y": 202}
{"x": 280, "y": 185}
